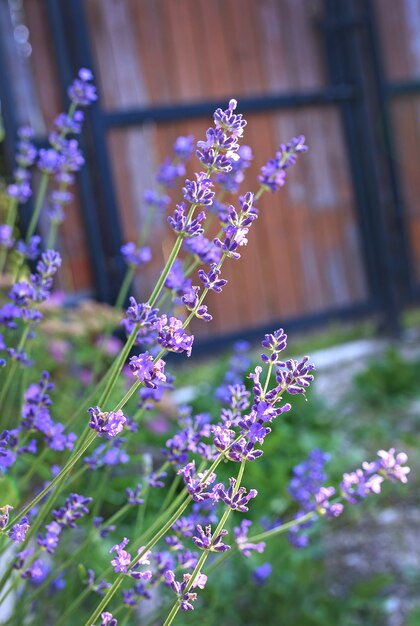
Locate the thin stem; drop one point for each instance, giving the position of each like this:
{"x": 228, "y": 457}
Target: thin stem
{"x": 176, "y": 606}
{"x": 10, "y": 221}
{"x": 169, "y": 263}
{"x": 171, "y": 491}
{"x": 117, "y": 583}
{"x": 40, "y": 196}
{"x": 55, "y": 481}
{"x": 52, "y": 235}
{"x": 13, "y": 367}
{"x": 122, "y": 294}
{"x": 283, "y": 528}
{"x": 78, "y": 600}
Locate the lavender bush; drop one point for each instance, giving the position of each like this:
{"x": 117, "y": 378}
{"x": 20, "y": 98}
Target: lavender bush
{"x": 185, "y": 511}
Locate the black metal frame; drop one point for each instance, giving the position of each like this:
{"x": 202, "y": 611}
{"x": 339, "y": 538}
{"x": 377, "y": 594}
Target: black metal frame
{"x": 357, "y": 86}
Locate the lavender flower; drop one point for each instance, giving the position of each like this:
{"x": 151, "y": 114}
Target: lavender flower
{"x": 4, "y": 515}
{"x": 172, "y": 336}
{"x": 121, "y": 562}
{"x": 52, "y": 537}
{"x": 73, "y": 509}
{"x": 6, "y": 236}
{"x": 237, "y": 500}
{"x": 147, "y": 371}
{"x": 30, "y": 251}
{"x": 241, "y": 537}
{"x": 275, "y": 343}
{"x": 176, "y": 280}
{"x": 230, "y": 181}
{"x": 261, "y": 573}
{"x": 19, "y": 530}
{"x": 156, "y": 480}
{"x": 108, "y": 424}
{"x": 81, "y": 91}
{"x": 205, "y": 541}
{"x": 135, "y": 257}
{"x": 211, "y": 279}
{"x": 198, "y": 192}
{"x": 191, "y": 300}
{"x": 273, "y": 174}
{"x": 108, "y": 619}
{"x": 184, "y": 147}
{"x": 179, "y": 224}
{"x": 123, "y": 559}
{"x": 357, "y": 485}
{"x": 186, "y": 598}
{"x": 97, "y": 587}
{"x": 133, "y": 495}
{"x": 293, "y": 376}
{"x": 238, "y": 226}
{"x": 48, "y": 161}
{"x": 323, "y": 504}
{"x": 201, "y": 247}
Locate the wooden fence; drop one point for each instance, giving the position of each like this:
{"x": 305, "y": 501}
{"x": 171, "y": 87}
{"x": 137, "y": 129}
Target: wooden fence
{"x": 306, "y": 253}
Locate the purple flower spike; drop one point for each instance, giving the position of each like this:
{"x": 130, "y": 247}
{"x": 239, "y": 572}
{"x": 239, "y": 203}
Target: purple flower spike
{"x": 229, "y": 121}
{"x": 81, "y": 91}
{"x": 184, "y": 147}
{"x": 261, "y": 573}
{"x": 172, "y": 336}
{"x": 147, "y": 371}
{"x": 108, "y": 619}
{"x": 51, "y": 539}
{"x": 123, "y": 558}
{"x": 237, "y": 501}
{"x": 241, "y": 537}
{"x": 186, "y": 598}
{"x": 4, "y": 511}
{"x": 6, "y": 236}
{"x": 391, "y": 466}
{"x": 323, "y": 504}
{"x": 133, "y": 495}
{"x": 108, "y": 424}
{"x": 275, "y": 343}
{"x": 179, "y": 222}
{"x": 273, "y": 174}
{"x": 73, "y": 509}
{"x": 204, "y": 540}
{"x": 135, "y": 257}
{"x": 191, "y": 299}
{"x": 18, "y": 531}
{"x": 362, "y": 482}
{"x": 211, "y": 279}
{"x": 294, "y": 376}
{"x": 198, "y": 191}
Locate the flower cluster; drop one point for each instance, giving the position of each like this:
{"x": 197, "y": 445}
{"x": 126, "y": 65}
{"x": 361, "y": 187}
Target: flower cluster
{"x": 108, "y": 424}
{"x": 273, "y": 174}
{"x": 190, "y": 523}
{"x": 182, "y": 590}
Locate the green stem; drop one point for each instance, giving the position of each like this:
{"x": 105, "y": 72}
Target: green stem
{"x": 78, "y": 600}
{"x": 10, "y": 221}
{"x": 55, "y": 481}
{"x": 40, "y": 196}
{"x": 176, "y": 606}
{"x": 52, "y": 235}
{"x": 13, "y": 367}
{"x": 117, "y": 583}
{"x": 122, "y": 295}
{"x": 171, "y": 492}
{"x": 283, "y": 528}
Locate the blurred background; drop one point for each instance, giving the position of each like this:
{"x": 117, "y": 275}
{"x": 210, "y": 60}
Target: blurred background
{"x": 339, "y": 243}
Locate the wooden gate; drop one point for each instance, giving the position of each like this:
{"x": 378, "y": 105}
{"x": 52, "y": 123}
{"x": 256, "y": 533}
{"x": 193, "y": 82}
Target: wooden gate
{"x": 338, "y": 241}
